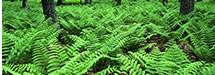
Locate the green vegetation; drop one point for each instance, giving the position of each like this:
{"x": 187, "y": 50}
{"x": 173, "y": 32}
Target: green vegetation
{"x": 136, "y": 38}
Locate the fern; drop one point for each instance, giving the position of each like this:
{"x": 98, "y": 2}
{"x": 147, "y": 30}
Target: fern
{"x": 136, "y": 38}
{"x": 131, "y": 67}
{"x": 23, "y": 68}
{"x": 110, "y": 46}
{"x": 190, "y": 69}
{"x": 81, "y": 63}
{"x": 7, "y": 45}
{"x": 7, "y": 69}
{"x": 209, "y": 70}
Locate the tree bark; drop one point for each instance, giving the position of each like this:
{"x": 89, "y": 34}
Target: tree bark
{"x": 24, "y": 3}
{"x": 49, "y": 10}
{"x": 199, "y": 0}
{"x": 186, "y": 6}
{"x": 59, "y": 2}
{"x": 12, "y": 0}
{"x": 147, "y": 0}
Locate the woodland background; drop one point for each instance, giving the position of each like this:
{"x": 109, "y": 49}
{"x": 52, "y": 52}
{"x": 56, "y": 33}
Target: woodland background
{"x": 135, "y": 38}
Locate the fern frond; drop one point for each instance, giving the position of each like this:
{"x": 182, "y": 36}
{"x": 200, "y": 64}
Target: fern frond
{"x": 190, "y": 69}
{"x": 119, "y": 40}
{"x": 57, "y": 58}
{"x": 209, "y": 70}
{"x": 81, "y": 63}
{"x": 176, "y": 55}
{"x": 7, "y": 44}
{"x": 131, "y": 67}
{"x": 40, "y": 52}
{"x": 6, "y": 69}
{"x": 22, "y": 68}
{"x": 110, "y": 70}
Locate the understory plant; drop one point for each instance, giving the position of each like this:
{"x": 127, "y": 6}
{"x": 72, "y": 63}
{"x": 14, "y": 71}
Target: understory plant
{"x": 136, "y": 38}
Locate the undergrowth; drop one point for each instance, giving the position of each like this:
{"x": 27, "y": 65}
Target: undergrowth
{"x": 136, "y": 38}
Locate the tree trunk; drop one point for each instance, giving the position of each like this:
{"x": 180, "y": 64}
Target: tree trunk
{"x": 147, "y": 0}
{"x": 49, "y": 9}
{"x": 91, "y": 1}
{"x": 186, "y": 6}
{"x": 24, "y": 3}
{"x": 118, "y": 2}
{"x": 12, "y": 0}
{"x": 86, "y": 1}
{"x": 199, "y": 0}
{"x": 59, "y": 2}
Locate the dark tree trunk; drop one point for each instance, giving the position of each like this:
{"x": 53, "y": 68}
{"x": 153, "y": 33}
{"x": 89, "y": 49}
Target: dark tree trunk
{"x": 164, "y": 2}
{"x": 199, "y": 0}
{"x": 147, "y": 0}
{"x": 118, "y": 2}
{"x": 25, "y": 4}
{"x": 59, "y": 2}
{"x": 91, "y": 1}
{"x": 12, "y": 0}
{"x": 186, "y": 6}
{"x": 49, "y": 10}
{"x": 86, "y": 1}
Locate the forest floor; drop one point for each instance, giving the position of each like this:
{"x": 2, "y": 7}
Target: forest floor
{"x": 134, "y": 38}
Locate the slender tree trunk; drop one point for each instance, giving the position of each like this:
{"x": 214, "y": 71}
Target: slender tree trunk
{"x": 91, "y": 1}
{"x": 186, "y": 7}
{"x": 12, "y": 0}
{"x": 147, "y": 0}
{"x": 86, "y": 1}
{"x": 59, "y": 2}
{"x": 24, "y": 3}
{"x": 49, "y": 9}
{"x": 199, "y": 0}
